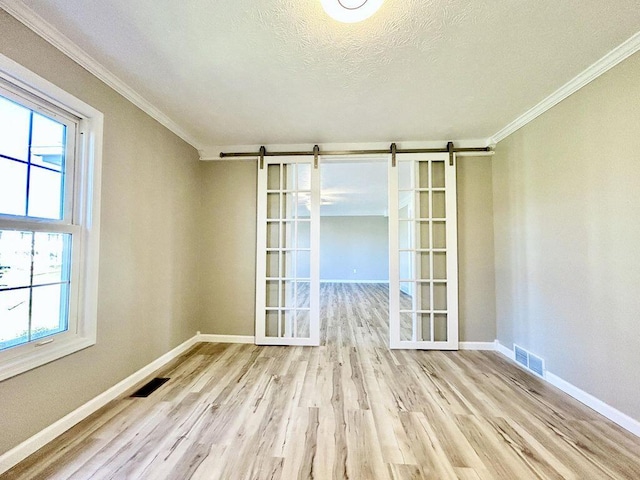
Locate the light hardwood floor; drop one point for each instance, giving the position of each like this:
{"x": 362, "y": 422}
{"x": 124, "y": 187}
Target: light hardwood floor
{"x": 348, "y": 409}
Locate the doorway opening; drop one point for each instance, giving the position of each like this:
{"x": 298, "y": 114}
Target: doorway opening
{"x": 421, "y": 250}
{"x": 354, "y": 253}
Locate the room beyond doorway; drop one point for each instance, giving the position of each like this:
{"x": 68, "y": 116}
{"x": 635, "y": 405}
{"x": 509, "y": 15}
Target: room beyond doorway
{"x": 354, "y": 254}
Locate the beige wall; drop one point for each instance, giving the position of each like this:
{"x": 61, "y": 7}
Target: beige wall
{"x": 228, "y": 253}
{"x": 566, "y": 207}
{"x": 476, "y": 271}
{"x": 229, "y": 244}
{"x": 350, "y": 243}
{"x": 148, "y": 293}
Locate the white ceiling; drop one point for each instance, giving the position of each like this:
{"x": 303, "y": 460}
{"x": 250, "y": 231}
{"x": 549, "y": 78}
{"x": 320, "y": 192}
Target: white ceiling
{"x": 353, "y": 188}
{"x": 247, "y": 72}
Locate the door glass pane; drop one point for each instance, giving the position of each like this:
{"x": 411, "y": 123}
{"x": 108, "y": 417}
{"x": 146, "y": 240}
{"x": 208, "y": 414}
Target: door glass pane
{"x": 273, "y": 234}
{"x": 13, "y": 187}
{"x": 437, "y": 174}
{"x": 439, "y": 235}
{"x": 440, "y": 327}
{"x": 304, "y": 177}
{"x": 424, "y": 302}
{"x": 272, "y": 293}
{"x": 439, "y": 296}
{"x": 288, "y": 235}
{"x": 406, "y": 295}
{"x": 303, "y": 264}
{"x": 423, "y": 171}
{"x": 288, "y": 324}
{"x": 424, "y": 320}
{"x": 288, "y": 294}
{"x": 303, "y": 323}
{"x": 290, "y": 205}
{"x": 439, "y": 265}
{"x": 271, "y": 320}
{"x": 406, "y": 266}
{"x": 288, "y": 264}
{"x": 273, "y": 177}
{"x": 424, "y": 265}
{"x": 303, "y": 300}
{"x": 406, "y": 209}
{"x": 439, "y": 210}
{"x": 273, "y": 259}
{"x": 406, "y": 326}
{"x": 289, "y": 176}
{"x": 423, "y": 205}
{"x": 405, "y": 235}
{"x": 273, "y": 205}
{"x": 405, "y": 175}
{"x": 423, "y": 230}
{"x": 304, "y": 234}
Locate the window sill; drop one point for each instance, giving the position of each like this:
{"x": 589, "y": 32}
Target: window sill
{"x": 38, "y": 356}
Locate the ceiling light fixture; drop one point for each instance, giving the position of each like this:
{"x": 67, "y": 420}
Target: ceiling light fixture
{"x": 351, "y": 11}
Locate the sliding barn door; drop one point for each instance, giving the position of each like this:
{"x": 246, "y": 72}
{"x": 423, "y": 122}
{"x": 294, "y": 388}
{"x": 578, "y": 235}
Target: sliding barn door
{"x": 423, "y": 284}
{"x": 287, "y": 271}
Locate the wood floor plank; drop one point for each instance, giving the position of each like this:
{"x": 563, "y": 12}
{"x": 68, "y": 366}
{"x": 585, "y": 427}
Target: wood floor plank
{"x": 349, "y": 409}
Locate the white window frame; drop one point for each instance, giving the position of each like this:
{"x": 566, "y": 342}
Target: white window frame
{"x": 83, "y": 223}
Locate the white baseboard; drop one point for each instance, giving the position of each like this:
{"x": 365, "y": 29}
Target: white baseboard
{"x": 205, "y": 337}
{"x": 477, "y": 346}
{"x": 622, "y": 419}
{"x": 355, "y": 281}
{"x": 40, "y": 439}
{"x": 504, "y": 350}
{"x": 625, "y": 421}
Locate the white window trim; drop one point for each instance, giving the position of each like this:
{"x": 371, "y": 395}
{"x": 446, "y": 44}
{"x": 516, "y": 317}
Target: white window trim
{"x": 87, "y": 188}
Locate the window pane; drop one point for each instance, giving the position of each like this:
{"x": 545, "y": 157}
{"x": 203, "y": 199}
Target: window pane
{"x": 13, "y": 187}
{"x": 49, "y": 307}
{"x": 14, "y": 134}
{"x": 15, "y": 259}
{"x": 45, "y": 199}
{"x": 47, "y": 143}
{"x": 51, "y": 259}
{"x": 14, "y": 317}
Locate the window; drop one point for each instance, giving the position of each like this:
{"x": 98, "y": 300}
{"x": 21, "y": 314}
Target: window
{"x": 50, "y": 151}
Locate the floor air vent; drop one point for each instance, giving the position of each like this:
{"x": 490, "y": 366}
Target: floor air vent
{"x": 529, "y": 361}
{"x": 150, "y": 387}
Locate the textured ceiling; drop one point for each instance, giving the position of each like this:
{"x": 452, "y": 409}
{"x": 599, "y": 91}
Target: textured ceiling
{"x": 240, "y": 72}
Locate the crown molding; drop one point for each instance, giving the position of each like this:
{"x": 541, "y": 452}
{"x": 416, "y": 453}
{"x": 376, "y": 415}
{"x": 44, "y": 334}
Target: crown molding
{"x": 610, "y": 60}
{"x": 48, "y": 32}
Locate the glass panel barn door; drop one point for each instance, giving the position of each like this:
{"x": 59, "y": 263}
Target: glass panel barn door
{"x": 287, "y": 270}
{"x": 423, "y": 289}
